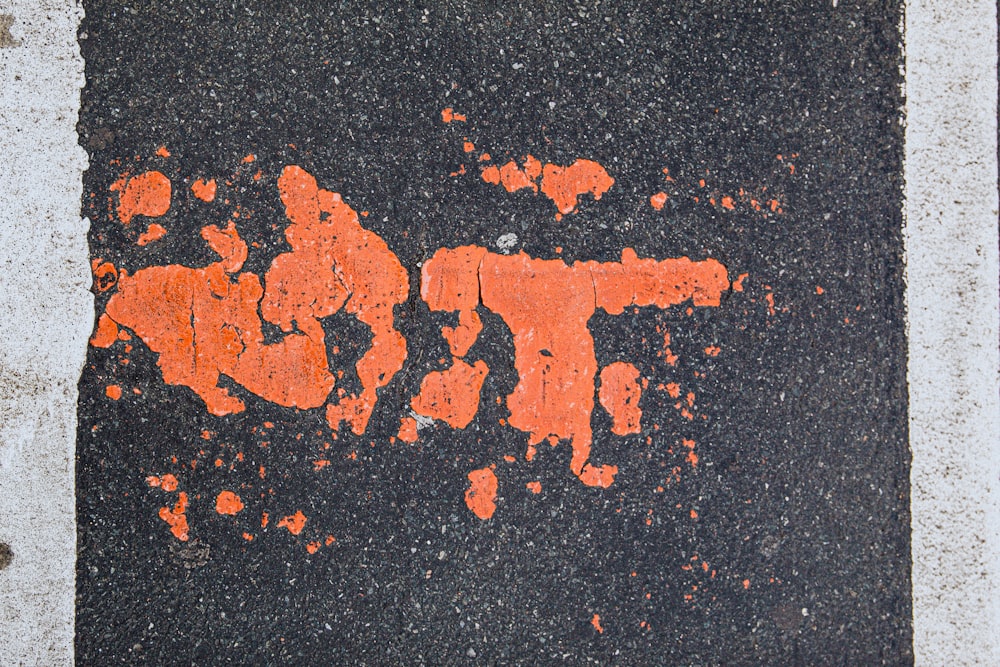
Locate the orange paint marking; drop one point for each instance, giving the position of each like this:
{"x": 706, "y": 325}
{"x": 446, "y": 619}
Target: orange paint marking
{"x": 294, "y": 522}
{"x": 407, "y": 430}
{"x": 204, "y": 190}
{"x": 619, "y": 395}
{"x": 534, "y": 487}
{"x": 176, "y": 518}
{"x": 146, "y": 194}
{"x": 596, "y": 622}
{"x": 547, "y": 304}
{"x": 154, "y": 232}
{"x": 482, "y": 492}
{"x": 113, "y": 391}
{"x": 228, "y": 503}
{"x": 451, "y": 395}
{"x": 448, "y": 115}
{"x": 658, "y": 200}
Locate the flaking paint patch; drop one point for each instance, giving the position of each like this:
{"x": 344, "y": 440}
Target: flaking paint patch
{"x": 481, "y": 495}
{"x": 452, "y": 395}
{"x": 146, "y": 194}
{"x": 619, "y": 395}
{"x": 563, "y": 185}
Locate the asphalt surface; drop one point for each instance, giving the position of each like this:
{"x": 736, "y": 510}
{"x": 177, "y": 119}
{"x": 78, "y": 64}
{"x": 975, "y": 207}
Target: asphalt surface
{"x": 784, "y": 540}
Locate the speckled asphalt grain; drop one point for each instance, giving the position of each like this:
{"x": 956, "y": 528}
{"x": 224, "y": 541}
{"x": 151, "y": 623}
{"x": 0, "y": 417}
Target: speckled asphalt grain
{"x": 787, "y": 543}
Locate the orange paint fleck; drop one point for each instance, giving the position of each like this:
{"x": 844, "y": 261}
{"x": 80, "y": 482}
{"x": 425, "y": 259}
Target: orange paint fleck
{"x": 468, "y": 146}
{"x": 547, "y": 304}
{"x": 162, "y": 151}
{"x": 769, "y": 297}
{"x": 146, "y": 194}
{"x": 727, "y": 203}
{"x": 407, "y": 429}
{"x": 713, "y": 350}
{"x": 330, "y": 539}
{"x": 248, "y": 537}
{"x": 658, "y": 200}
{"x": 294, "y": 523}
{"x": 619, "y": 395}
{"x": 264, "y": 520}
{"x": 106, "y": 332}
{"x": 228, "y": 503}
{"x": 738, "y": 283}
{"x": 482, "y": 492}
{"x": 819, "y": 290}
{"x": 113, "y": 391}
{"x": 319, "y": 464}
{"x": 534, "y": 487}
{"x": 562, "y": 185}
{"x": 176, "y": 518}
{"x": 451, "y": 395}
{"x": 204, "y": 190}
{"x": 694, "y": 514}
{"x": 746, "y": 584}
{"x": 596, "y": 622}
{"x": 448, "y": 115}
{"x": 673, "y": 390}
{"x": 313, "y": 547}
{"x": 249, "y": 159}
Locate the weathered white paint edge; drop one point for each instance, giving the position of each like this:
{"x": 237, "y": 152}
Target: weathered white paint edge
{"x": 954, "y": 329}
{"x": 46, "y": 314}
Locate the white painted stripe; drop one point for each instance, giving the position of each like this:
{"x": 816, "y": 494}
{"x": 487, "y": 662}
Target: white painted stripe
{"x": 46, "y": 314}
{"x": 954, "y": 329}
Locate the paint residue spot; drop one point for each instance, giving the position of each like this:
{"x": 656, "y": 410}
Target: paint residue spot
{"x": 562, "y": 185}
{"x": 727, "y": 203}
{"x": 451, "y": 395}
{"x": 713, "y": 350}
{"x": 534, "y": 487}
{"x": 596, "y": 622}
{"x": 407, "y": 430}
{"x": 106, "y": 332}
{"x": 228, "y": 503}
{"x": 619, "y": 395}
{"x": 738, "y": 283}
{"x": 113, "y": 391}
{"x": 162, "y": 151}
{"x": 746, "y": 584}
{"x": 204, "y": 189}
{"x": 658, "y": 200}
{"x": 448, "y": 115}
{"x": 482, "y": 492}
{"x": 294, "y": 522}
{"x": 313, "y": 547}
{"x": 154, "y": 232}
{"x": 146, "y": 194}
{"x": 819, "y": 290}
{"x": 176, "y": 518}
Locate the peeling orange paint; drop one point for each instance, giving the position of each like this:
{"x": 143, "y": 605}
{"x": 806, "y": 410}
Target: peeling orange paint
{"x": 596, "y": 622}
{"x": 204, "y": 189}
{"x": 547, "y": 304}
{"x": 229, "y": 503}
{"x": 451, "y": 395}
{"x": 176, "y": 518}
{"x": 154, "y": 232}
{"x": 448, "y": 115}
{"x": 562, "y": 185}
{"x": 294, "y": 522}
{"x": 482, "y": 492}
{"x": 407, "y": 429}
{"x": 145, "y": 194}
{"x": 619, "y": 395}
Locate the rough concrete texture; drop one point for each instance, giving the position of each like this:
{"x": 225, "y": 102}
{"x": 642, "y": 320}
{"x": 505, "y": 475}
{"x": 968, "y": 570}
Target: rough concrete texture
{"x": 951, "y": 182}
{"x": 45, "y": 316}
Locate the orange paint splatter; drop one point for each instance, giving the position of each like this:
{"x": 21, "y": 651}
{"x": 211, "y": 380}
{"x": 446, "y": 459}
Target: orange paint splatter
{"x": 448, "y": 115}
{"x": 176, "y": 518}
{"x": 154, "y": 232}
{"x": 113, "y": 391}
{"x": 596, "y": 622}
{"x": 482, "y": 492}
{"x": 162, "y": 151}
{"x": 658, "y": 200}
{"x": 228, "y": 503}
{"x": 738, "y": 283}
{"x": 146, "y": 194}
{"x": 204, "y": 190}
{"x": 713, "y": 350}
{"x": 727, "y": 203}
{"x": 407, "y": 429}
{"x": 547, "y": 304}
{"x": 294, "y": 522}
{"x": 451, "y": 395}
{"x": 534, "y": 487}
{"x": 313, "y": 547}
{"x": 619, "y": 395}
{"x": 562, "y": 185}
